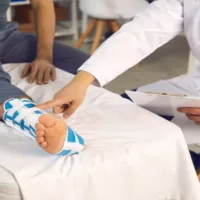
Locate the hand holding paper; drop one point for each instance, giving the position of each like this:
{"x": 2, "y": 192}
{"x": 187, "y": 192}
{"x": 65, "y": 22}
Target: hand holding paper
{"x": 192, "y": 114}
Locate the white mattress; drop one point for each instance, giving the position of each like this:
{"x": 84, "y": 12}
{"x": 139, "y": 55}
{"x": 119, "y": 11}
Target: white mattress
{"x": 130, "y": 154}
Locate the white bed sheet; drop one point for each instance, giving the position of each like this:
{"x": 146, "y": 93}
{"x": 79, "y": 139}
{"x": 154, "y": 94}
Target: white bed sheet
{"x": 9, "y": 189}
{"x": 130, "y": 153}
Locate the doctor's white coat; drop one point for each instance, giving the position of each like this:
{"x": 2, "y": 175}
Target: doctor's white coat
{"x": 154, "y": 26}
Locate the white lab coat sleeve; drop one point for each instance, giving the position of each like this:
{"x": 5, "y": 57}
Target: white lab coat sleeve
{"x": 156, "y": 25}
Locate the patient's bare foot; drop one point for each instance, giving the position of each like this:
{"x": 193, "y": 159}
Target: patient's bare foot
{"x": 51, "y": 133}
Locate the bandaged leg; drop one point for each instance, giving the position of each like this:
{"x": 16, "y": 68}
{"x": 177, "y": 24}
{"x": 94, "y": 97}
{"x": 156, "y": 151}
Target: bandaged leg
{"x": 51, "y": 134}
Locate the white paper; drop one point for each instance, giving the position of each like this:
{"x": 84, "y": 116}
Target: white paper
{"x": 167, "y": 105}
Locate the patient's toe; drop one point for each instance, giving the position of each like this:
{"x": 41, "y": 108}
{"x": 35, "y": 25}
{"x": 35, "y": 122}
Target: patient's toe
{"x": 43, "y": 144}
{"x": 39, "y": 133}
{"x": 40, "y": 140}
{"x": 40, "y": 127}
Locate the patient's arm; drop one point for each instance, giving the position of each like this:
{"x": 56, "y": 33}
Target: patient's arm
{"x": 42, "y": 69}
{"x": 156, "y": 25}
{"x": 45, "y": 27}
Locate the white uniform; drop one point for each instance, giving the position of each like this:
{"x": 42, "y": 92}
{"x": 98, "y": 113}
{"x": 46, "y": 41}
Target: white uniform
{"x": 154, "y": 26}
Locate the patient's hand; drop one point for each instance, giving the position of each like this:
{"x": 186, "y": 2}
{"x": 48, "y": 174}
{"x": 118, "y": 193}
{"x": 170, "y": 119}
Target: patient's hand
{"x": 40, "y": 70}
{"x": 192, "y": 113}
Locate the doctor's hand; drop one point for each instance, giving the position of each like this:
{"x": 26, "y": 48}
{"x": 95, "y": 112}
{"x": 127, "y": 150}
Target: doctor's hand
{"x": 192, "y": 113}
{"x": 68, "y": 99}
{"x": 40, "y": 70}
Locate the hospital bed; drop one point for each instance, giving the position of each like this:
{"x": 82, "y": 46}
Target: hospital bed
{"x": 130, "y": 153}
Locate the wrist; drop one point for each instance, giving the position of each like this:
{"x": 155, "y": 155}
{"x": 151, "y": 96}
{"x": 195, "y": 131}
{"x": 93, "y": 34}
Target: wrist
{"x": 83, "y": 79}
{"x": 47, "y": 58}
{"x": 45, "y": 53}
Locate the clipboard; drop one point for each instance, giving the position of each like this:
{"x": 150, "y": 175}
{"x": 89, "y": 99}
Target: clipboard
{"x": 162, "y": 103}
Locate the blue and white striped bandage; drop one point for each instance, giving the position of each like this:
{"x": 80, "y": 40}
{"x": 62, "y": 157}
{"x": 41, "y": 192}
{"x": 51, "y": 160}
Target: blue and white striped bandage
{"x": 22, "y": 115}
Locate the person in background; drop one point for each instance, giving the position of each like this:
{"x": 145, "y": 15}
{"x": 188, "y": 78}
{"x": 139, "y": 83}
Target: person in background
{"x": 161, "y": 21}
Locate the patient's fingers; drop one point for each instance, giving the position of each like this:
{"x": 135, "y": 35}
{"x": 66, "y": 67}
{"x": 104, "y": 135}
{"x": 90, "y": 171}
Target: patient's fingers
{"x": 188, "y": 110}
{"x": 25, "y": 71}
{"x": 33, "y": 74}
{"x": 47, "y": 75}
{"x": 40, "y": 76}
{"x": 53, "y": 74}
